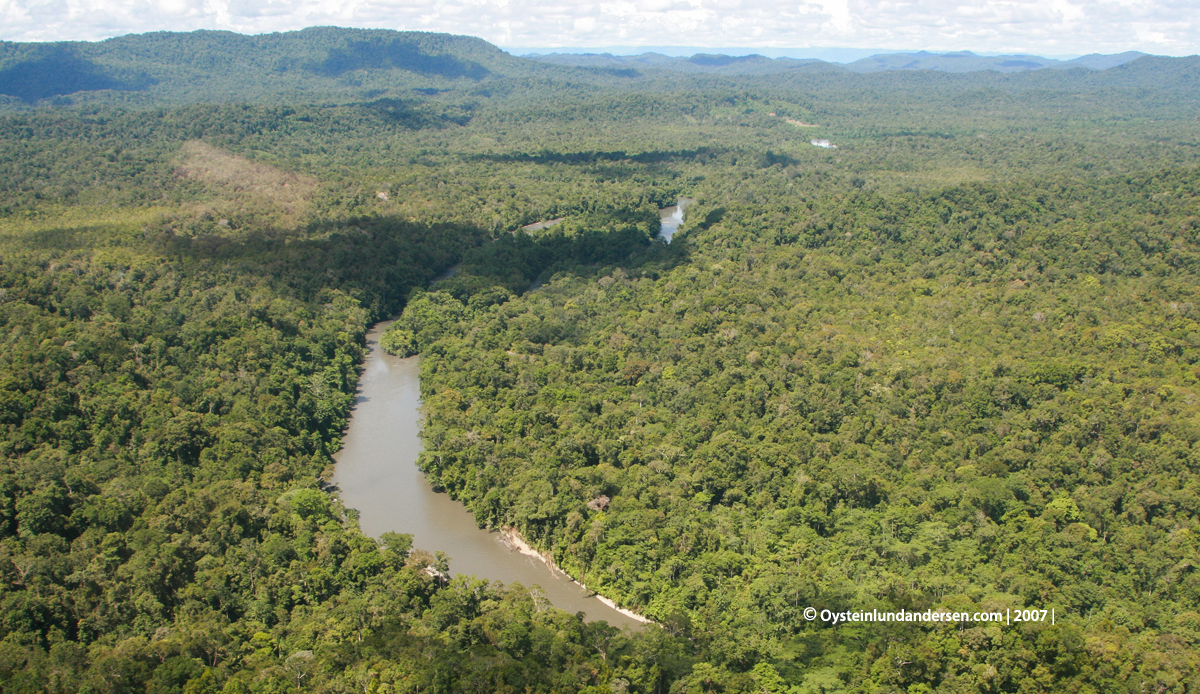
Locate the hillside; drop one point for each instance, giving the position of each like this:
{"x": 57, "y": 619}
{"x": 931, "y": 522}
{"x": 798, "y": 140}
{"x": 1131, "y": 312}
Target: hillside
{"x": 330, "y": 65}
{"x": 950, "y": 364}
{"x": 323, "y": 64}
{"x": 753, "y": 64}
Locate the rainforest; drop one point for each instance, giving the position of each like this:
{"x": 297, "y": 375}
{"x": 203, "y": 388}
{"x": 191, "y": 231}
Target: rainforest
{"x": 949, "y": 363}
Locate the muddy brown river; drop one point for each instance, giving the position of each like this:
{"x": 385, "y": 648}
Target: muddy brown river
{"x": 376, "y": 474}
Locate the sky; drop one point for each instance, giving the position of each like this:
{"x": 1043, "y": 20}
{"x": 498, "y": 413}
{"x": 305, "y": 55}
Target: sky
{"x": 1039, "y": 27}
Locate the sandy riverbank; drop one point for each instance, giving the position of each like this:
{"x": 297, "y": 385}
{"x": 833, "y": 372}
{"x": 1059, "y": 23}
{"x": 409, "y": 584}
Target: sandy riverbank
{"x": 513, "y": 540}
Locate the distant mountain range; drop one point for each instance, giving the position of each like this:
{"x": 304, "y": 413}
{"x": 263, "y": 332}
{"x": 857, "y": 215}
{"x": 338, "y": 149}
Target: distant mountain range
{"x": 960, "y": 61}
{"x": 323, "y": 62}
{"x": 329, "y": 65}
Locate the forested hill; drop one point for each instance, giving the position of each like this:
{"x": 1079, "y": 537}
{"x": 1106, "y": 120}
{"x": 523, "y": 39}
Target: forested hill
{"x": 166, "y": 67}
{"x": 949, "y": 362}
{"x": 753, "y": 64}
{"x": 330, "y": 65}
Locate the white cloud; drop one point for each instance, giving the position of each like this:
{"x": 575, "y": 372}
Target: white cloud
{"x": 1030, "y": 26}
{"x": 840, "y": 19}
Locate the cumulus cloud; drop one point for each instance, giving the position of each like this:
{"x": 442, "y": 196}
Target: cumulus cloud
{"x": 1046, "y": 27}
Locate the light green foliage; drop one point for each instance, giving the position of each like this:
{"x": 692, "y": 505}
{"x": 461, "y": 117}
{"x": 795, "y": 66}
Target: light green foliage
{"x": 168, "y": 406}
{"x": 951, "y": 363}
{"x": 896, "y": 407}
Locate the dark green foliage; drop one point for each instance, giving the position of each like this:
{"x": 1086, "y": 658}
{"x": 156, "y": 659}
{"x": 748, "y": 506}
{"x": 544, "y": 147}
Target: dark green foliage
{"x": 55, "y": 70}
{"x": 950, "y": 363}
{"x": 376, "y": 55}
{"x": 168, "y": 408}
{"x": 163, "y": 68}
{"x": 978, "y": 399}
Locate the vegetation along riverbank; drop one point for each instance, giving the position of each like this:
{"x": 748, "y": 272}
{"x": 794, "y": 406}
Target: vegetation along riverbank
{"x": 950, "y": 365}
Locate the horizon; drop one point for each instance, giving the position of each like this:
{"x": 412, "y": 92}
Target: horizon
{"x": 1022, "y": 27}
{"x": 830, "y": 54}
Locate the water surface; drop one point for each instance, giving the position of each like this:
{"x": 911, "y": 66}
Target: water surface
{"x": 377, "y": 475}
{"x": 671, "y": 218}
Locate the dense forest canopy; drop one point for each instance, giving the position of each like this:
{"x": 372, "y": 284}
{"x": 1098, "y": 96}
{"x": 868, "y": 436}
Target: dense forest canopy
{"x": 949, "y": 364}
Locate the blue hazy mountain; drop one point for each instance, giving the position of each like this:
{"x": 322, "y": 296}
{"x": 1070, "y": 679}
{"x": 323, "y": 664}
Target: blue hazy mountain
{"x": 754, "y": 63}
{"x": 335, "y": 65}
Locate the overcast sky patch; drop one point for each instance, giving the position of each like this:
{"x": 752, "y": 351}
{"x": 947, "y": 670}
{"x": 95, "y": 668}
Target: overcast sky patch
{"x": 1042, "y": 27}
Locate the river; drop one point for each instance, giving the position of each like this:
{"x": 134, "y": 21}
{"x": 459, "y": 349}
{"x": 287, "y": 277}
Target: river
{"x": 376, "y": 474}
{"x": 671, "y": 218}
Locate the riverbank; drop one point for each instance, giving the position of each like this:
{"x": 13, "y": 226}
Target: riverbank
{"x": 513, "y": 539}
{"x": 376, "y": 474}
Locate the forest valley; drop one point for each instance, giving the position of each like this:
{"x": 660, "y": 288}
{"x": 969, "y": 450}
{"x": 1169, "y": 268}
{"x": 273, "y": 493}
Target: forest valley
{"x": 951, "y": 364}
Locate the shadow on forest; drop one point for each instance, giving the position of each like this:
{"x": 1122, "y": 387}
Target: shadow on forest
{"x": 415, "y": 114}
{"x": 377, "y": 260}
{"x": 62, "y": 239}
{"x": 654, "y": 157}
{"x": 624, "y": 72}
{"x": 522, "y": 262}
{"x": 367, "y": 55}
{"x": 380, "y": 260}
{"x": 55, "y": 70}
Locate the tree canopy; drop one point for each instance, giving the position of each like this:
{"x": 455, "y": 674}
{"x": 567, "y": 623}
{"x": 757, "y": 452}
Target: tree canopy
{"x": 949, "y": 364}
